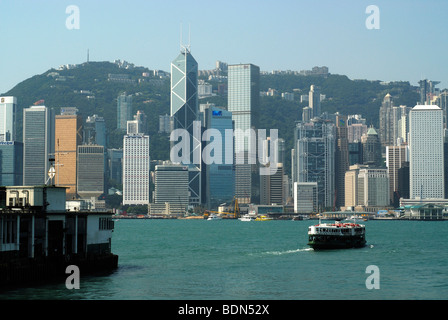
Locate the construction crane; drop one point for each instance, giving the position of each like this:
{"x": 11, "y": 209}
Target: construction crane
{"x": 233, "y": 215}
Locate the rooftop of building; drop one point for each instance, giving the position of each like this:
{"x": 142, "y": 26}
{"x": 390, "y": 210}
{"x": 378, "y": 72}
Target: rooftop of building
{"x": 426, "y": 107}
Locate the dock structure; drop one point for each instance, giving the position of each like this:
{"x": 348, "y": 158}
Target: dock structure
{"x": 39, "y": 238}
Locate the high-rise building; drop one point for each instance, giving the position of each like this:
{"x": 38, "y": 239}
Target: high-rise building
{"x": 355, "y": 153}
{"x": 371, "y": 148}
{"x": 386, "y": 122}
{"x": 307, "y": 114}
{"x": 220, "y": 176}
{"x": 403, "y": 125}
{"x": 136, "y": 169}
{"x": 351, "y": 185}
{"x": 426, "y": 156}
{"x": 314, "y": 100}
{"x": 94, "y": 131}
{"x": 396, "y": 156}
{"x": 184, "y": 114}
{"x": 124, "y": 110}
{"x": 243, "y": 102}
{"x": 366, "y": 187}
{"x": 314, "y": 158}
{"x": 68, "y": 136}
{"x": 271, "y": 185}
{"x": 427, "y": 90}
{"x": 305, "y": 197}
{"x": 373, "y": 188}
{"x": 11, "y": 163}
{"x": 38, "y": 144}
{"x": 342, "y": 158}
{"x": 8, "y": 107}
{"x": 164, "y": 123}
{"x": 138, "y": 125}
{"x": 355, "y": 131}
{"x": 90, "y": 180}
{"x": 171, "y": 185}
{"x": 115, "y": 164}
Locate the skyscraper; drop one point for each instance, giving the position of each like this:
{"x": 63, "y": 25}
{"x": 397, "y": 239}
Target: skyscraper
{"x": 371, "y": 148}
{"x": 115, "y": 164}
{"x": 396, "y": 157}
{"x": 95, "y": 131}
{"x": 427, "y": 90}
{"x": 386, "y": 122}
{"x": 220, "y": 176}
{"x": 68, "y": 136}
{"x": 426, "y": 156}
{"x": 314, "y": 158}
{"x": 341, "y": 158}
{"x": 184, "y": 113}
{"x": 136, "y": 167}
{"x": 366, "y": 187}
{"x": 11, "y": 163}
{"x": 243, "y": 102}
{"x": 138, "y": 125}
{"x": 124, "y": 110}
{"x": 314, "y": 101}
{"x": 8, "y": 118}
{"x": 271, "y": 185}
{"x": 171, "y": 184}
{"x": 90, "y": 171}
{"x": 38, "y": 144}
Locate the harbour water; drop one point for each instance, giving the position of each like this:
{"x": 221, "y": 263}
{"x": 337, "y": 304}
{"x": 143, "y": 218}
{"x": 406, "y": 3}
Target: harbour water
{"x": 267, "y": 260}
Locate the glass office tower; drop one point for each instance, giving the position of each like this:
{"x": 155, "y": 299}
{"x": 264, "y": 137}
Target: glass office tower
{"x": 314, "y": 158}
{"x": 11, "y": 163}
{"x": 124, "y": 110}
{"x": 184, "y": 113}
{"x": 219, "y": 175}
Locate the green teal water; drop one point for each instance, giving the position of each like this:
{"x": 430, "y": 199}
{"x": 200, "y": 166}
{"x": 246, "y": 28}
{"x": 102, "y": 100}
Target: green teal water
{"x": 231, "y": 259}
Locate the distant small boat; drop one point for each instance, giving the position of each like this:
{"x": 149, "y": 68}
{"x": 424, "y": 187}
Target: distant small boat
{"x": 247, "y": 217}
{"x": 301, "y": 217}
{"x": 214, "y": 216}
{"x": 263, "y": 218}
{"x": 354, "y": 218}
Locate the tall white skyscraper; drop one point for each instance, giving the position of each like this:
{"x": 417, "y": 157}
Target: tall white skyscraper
{"x": 8, "y": 118}
{"x": 38, "y": 144}
{"x": 136, "y": 175}
{"x": 426, "y": 158}
{"x": 243, "y": 102}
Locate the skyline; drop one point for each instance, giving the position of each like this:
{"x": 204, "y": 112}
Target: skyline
{"x": 290, "y": 35}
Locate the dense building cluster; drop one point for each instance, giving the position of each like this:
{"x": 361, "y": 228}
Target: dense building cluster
{"x": 338, "y": 162}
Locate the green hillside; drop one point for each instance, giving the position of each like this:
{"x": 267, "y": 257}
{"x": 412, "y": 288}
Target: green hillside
{"x": 89, "y": 88}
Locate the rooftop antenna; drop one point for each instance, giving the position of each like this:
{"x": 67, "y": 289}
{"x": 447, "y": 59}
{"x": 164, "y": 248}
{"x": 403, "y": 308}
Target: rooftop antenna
{"x": 185, "y": 48}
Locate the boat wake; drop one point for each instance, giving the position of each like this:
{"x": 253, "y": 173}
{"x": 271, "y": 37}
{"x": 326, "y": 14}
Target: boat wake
{"x": 279, "y": 253}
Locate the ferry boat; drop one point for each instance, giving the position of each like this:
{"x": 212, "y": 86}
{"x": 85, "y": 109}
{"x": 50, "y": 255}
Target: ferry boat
{"x": 337, "y": 235}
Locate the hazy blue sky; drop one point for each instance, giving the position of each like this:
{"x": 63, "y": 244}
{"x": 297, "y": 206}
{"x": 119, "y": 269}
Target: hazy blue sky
{"x": 411, "y": 44}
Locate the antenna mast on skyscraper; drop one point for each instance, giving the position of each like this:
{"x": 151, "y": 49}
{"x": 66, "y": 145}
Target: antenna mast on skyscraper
{"x": 185, "y": 48}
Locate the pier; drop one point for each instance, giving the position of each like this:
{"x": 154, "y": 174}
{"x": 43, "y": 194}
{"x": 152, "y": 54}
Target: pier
{"x": 39, "y": 238}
